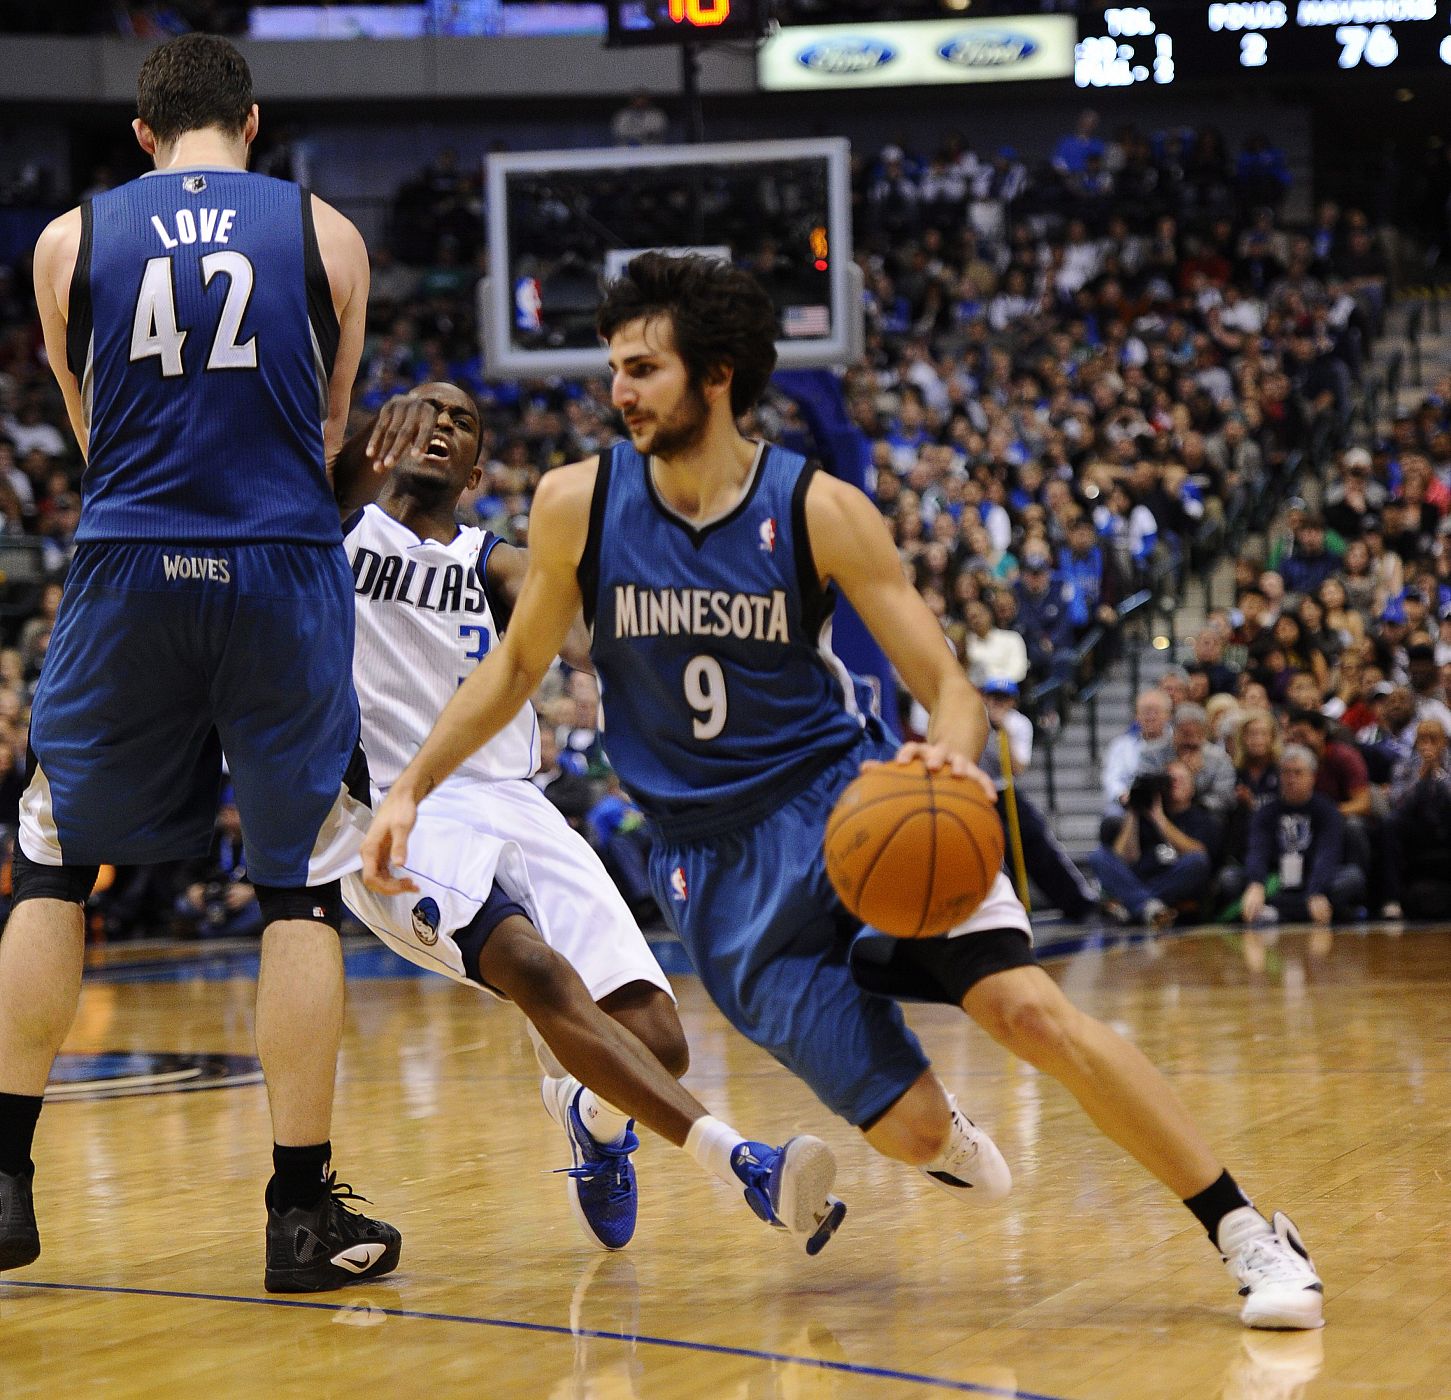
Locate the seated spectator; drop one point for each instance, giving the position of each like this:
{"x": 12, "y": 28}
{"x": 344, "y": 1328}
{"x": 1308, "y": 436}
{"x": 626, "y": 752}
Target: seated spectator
{"x": 1043, "y": 619}
{"x": 1421, "y": 818}
{"x": 581, "y": 734}
{"x": 1209, "y": 657}
{"x": 1208, "y": 764}
{"x": 217, "y": 900}
{"x": 1049, "y": 866}
{"x": 1128, "y": 753}
{"x": 1353, "y": 504}
{"x": 1309, "y": 562}
{"x": 618, "y": 832}
{"x": 1299, "y": 653}
{"x": 993, "y": 653}
{"x": 1340, "y": 770}
{"x": 561, "y": 778}
{"x": 1256, "y": 781}
{"x": 1425, "y": 684}
{"x": 1091, "y": 579}
{"x": 1161, "y": 854}
{"x": 1297, "y": 839}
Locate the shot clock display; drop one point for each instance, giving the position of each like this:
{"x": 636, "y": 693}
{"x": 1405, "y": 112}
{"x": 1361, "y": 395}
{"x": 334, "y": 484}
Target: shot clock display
{"x": 1270, "y": 38}
{"x": 681, "y": 21}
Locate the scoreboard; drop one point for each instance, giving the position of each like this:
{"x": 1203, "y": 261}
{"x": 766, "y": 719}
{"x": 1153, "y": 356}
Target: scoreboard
{"x": 1157, "y": 45}
{"x": 682, "y": 21}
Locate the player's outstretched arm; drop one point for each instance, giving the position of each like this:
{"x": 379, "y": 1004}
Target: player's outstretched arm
{"x": 54, "y": 265}
{"x": 851, "y": 548}
{"x": 403, "y": 425}
{"x": 548, "y": 600}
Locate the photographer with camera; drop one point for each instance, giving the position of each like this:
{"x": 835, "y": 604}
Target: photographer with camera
{"x": 1161, "y": 855}
{"x": 217, "y": 900}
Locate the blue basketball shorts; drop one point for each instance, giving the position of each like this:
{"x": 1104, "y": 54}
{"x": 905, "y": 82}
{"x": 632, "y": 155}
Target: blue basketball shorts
{"x": 164, "y": 658}
{"x": 770, "y": 940}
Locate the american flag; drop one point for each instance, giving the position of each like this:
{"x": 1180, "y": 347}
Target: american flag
{"x": 801, "y": 321}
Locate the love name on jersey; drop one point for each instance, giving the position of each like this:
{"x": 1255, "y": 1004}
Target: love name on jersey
{"x": 389, "y": 578}
{"x": 196, "y": 226}
{"x": 700, "y": 612}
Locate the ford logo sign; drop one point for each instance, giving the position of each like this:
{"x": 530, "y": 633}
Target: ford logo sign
{"x": 846, "y": 57}
{"x": 988, "y": 48}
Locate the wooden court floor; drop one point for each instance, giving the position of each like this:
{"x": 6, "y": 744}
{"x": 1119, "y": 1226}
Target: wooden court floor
{"x": 1324, "y": 1074}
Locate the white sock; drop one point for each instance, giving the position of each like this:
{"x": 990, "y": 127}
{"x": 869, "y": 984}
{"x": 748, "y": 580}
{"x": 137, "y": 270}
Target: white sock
{"x": 1240, "y": 1226}
{"x": 711, "y": 1143}
{"x": 602, "y": 1121}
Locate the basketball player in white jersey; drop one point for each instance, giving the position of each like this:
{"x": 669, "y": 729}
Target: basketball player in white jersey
{"x": 503, "y": 894}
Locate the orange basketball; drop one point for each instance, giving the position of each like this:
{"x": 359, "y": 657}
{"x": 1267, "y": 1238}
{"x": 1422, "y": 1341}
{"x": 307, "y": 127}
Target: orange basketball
{"x": 913, "y": 853}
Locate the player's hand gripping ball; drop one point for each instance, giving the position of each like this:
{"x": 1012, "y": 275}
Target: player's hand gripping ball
{"x": 911, "y": 852}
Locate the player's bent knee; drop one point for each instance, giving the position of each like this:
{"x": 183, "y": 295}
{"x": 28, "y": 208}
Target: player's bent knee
{"x": 1039, "y": 1030}
{"x": 650, "y": 1016}
{"x": 31, "y": 880}
{"x": 312, "y": 904}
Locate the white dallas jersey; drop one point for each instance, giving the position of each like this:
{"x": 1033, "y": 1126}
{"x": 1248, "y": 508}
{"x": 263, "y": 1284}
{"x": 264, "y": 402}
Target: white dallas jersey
{"x": 424, "y": 623}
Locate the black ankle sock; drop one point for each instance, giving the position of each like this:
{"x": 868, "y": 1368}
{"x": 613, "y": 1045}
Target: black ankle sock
{"x": 299, "y": 1176}
{"x": 18, "y": 1113}
{"x": 1216, "y": 1201}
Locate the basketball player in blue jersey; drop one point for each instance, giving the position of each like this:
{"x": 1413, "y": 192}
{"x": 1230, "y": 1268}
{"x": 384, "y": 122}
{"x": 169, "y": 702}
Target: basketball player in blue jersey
{"x": 433, "y": 597}
{"x": 706, "y": 565}
{"x": 204, "y": 325}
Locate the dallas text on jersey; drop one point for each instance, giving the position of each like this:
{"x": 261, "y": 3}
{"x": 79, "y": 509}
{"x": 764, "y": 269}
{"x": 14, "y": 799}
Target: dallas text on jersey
{"x": 389, "y": 578}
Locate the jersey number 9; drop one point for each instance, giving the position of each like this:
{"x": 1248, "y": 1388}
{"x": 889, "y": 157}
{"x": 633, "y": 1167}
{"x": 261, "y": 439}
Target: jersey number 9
{"x": 705, "y": 691}
{"x": 154, "y": 330}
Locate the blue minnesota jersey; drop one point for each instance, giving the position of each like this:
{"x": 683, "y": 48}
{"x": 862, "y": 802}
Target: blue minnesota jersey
{"x": 202, "y": 333}
{"x": 719, "y": 689}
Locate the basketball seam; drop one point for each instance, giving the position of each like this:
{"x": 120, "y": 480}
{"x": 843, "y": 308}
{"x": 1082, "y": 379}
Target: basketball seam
{"x": 931, "y": 880}
{"x": 972, "y": 844}
{"x": 856, "y": 898}
{"x": 867, "y": 806}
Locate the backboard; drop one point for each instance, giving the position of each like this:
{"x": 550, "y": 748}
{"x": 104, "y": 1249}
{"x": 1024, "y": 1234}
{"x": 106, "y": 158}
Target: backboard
{"x": 562, "y": 222}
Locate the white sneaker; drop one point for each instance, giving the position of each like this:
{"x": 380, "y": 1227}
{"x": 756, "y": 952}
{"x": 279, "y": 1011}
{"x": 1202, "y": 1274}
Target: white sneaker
{"x": 970, "y": 1162}
{"x": 1276, "y": 1279}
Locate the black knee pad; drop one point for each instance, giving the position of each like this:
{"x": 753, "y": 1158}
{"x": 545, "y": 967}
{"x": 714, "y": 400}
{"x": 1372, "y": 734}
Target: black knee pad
{"x": 318, "y": 904}
{"x": 30, "y": 880}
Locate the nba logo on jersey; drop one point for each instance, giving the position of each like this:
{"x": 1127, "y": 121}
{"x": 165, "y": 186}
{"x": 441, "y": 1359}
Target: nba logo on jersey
{"x": 425, "y": 921}
{"x": 194, "y": 184}
{"x": 768, "y": 534}
{"x": 678, "y": 888}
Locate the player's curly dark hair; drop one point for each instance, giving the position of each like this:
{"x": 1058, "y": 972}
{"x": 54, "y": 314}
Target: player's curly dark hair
{"x": 720, "y": 316}
{"x": 192, "y": 82}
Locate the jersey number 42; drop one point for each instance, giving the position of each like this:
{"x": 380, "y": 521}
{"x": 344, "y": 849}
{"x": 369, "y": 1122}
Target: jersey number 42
{"x": 154, "y": 331}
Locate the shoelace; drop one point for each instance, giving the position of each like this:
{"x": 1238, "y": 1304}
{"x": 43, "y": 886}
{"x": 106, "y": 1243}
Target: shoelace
{"x": 612, "y": 1159}
{"x": 1272, "y": 1260}
{"x": 341, "y": 1192}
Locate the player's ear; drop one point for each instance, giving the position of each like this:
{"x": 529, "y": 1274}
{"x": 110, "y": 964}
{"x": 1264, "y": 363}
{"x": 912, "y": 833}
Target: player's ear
{"x": 251, "y": 126}
{"x": 716, "y": 381}
{"x": 145, "y": 137}
{"x": 475, "y": 476}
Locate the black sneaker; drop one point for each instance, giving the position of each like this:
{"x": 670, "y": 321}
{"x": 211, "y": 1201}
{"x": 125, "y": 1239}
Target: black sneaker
{"x": 19, "y": 1239}
{"x": 329, "y": 1245}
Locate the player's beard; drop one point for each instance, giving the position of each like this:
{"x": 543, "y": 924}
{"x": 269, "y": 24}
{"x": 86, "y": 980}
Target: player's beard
{"x": 682, "y": 430}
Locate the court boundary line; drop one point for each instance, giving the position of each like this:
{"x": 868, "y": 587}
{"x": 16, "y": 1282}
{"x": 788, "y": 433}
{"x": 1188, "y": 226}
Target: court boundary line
{"x": 550, "y": 1329}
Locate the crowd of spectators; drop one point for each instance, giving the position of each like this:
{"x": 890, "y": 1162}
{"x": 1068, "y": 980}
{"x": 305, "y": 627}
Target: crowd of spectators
{"x": 1296, "y": 767}
{"x": 1079, "y": 375}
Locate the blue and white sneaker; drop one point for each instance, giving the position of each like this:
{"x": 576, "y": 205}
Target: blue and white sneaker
{"x": 602, "y": 1190}
{"x": 790, "y": 1187}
